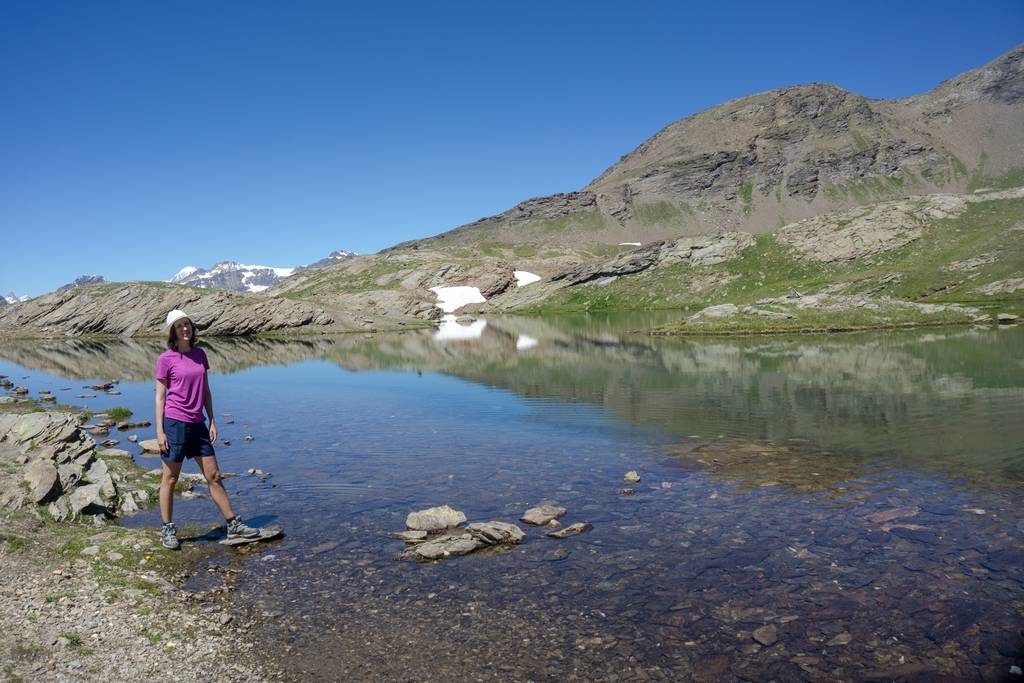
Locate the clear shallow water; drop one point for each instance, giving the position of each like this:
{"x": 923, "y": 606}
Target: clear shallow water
{"x": 763, "y": 461}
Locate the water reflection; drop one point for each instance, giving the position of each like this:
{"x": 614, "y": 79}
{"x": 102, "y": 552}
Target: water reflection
{"x": 932, "y": 399}
{"x": 839, "y": 507}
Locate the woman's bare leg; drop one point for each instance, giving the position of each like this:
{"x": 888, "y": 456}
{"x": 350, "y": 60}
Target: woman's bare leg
{"x": 167, "y": 481}
{"x": 210, "y": 470}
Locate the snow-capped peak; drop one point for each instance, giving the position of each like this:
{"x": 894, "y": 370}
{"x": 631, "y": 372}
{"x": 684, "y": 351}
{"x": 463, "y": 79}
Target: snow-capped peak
{"x": 183, "y": 273}
{"x": 241, "y": 277}
{"x": 13, "y": 298}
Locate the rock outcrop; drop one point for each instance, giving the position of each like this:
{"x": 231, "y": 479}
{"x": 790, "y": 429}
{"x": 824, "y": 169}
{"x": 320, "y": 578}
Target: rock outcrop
{"x": 139, "y": 308}
{"x": 696, "y": 251}
{"x": 55, "y": 464}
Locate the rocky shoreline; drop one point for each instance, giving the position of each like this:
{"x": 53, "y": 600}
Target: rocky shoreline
{"x": 85, "y": 598}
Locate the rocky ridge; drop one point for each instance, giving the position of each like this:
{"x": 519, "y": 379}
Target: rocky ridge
{"x": 777, "y": 157}
{"x": 231, "y": 275}
{"x": 851, "y": 236}
{"x": 139, "y": 308}
{"x": 82, "y": 281}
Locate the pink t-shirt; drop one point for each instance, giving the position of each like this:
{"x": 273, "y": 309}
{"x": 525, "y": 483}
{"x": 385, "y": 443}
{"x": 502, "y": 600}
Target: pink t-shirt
{"x": 185, "y": 374}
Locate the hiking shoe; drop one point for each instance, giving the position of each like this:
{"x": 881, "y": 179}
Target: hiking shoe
{"x": 239, "y": 529}
{"x": 169, "y": 537}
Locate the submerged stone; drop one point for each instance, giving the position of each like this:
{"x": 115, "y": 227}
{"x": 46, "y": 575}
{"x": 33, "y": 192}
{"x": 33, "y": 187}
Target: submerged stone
{"x": 571, "y": 530}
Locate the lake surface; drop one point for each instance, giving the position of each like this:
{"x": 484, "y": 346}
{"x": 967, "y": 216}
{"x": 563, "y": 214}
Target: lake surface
{"x": 841, "y": 507}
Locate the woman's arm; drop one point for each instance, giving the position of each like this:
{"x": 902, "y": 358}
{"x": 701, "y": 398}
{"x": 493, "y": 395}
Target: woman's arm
{"x": 208, "y": 405}
{"x": 161, "y": 398}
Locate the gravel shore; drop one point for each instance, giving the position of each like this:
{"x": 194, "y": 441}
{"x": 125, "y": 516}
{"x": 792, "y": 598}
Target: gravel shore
{"x": 75, "y": 619}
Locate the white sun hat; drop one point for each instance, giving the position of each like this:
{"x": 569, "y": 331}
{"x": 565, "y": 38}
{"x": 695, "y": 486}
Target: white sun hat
{"x": 174, "y": 316}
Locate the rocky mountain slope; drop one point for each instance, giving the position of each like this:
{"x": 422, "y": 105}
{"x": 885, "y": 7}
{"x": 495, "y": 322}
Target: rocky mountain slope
{"x": 755, "y": 196}
{"x": 902, "y": 258}
{"x": 763, "y": 161}
{"x": 139, "y": 308}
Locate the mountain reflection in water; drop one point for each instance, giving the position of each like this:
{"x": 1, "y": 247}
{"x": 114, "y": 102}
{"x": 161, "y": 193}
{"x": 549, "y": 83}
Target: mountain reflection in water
{"x": 841, "y": 507}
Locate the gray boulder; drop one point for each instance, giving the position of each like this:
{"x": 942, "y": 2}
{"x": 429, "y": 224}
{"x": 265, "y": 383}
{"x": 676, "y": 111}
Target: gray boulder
{"x": 99, "y": 474}
{"x": 43, "y": 481}
{"x": 448, "y": 545}
{"x": 435, "y": 519}
{"x": 542, "y": 514}
{"x": 496, "y": 533}
{"x": 87, "y": 500}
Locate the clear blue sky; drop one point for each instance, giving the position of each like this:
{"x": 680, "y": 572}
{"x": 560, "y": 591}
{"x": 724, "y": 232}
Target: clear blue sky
{"x": 142, "y": 136}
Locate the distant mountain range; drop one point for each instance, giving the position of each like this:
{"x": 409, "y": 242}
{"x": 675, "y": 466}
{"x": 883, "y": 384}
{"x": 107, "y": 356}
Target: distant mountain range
{"x": 82, "y": 281}
{"x": 242, "y": 277}
{"x": 12, "y": 298}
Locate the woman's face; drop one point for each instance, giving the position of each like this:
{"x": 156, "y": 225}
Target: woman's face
{"x": 183, "y": 330}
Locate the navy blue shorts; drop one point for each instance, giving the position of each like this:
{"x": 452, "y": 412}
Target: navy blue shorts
{"x": 186, "y": 440}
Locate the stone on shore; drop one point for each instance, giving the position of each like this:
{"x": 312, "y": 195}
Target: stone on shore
{"x": 85, "y": 498}
{"x": 542, "y": 514}
{"x": 434, "y": 519}
{"x": 43, "y": 480}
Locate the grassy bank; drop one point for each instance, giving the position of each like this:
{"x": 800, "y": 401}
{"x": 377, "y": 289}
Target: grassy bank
{"x": 952, "y": 260}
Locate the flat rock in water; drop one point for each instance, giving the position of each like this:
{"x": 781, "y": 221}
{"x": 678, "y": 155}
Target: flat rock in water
{"x": 496, "y": 533}
{"x": 632, "y": 476}
{"x": 150, "y": 446}
{"x": 266, "y": 534}
{"x": 411, "y": 536}
{"x": 542, "y": 514}
{"x": 448, "y": 545}
{"x": 571, "y": 530}
{"x": 434, "y": 519}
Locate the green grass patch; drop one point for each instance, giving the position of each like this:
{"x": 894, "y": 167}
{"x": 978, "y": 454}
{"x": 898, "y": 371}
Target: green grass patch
{"x": 13, "y": 542}
{"x": 662, "y": 212}
{"x": 587, "y": 221}
{"x": 1010, "y": 179}
{"x": 919, "y": 271}
{"x": 815, "y": 321}
{"x": 118, "y": 413}
{"x": 747, "y": 196}
{"x": 865, "y": 190}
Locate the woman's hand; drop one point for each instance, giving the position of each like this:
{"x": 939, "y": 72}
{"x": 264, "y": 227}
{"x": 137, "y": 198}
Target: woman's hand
{"x": 213, "y": 432}
{"x": 161, "y": 442}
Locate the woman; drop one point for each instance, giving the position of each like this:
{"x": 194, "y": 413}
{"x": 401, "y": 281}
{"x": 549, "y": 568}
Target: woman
{"x": 182, "y": 393}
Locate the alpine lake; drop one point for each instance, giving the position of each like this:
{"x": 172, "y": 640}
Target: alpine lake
{"x": 840, "y": 507}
